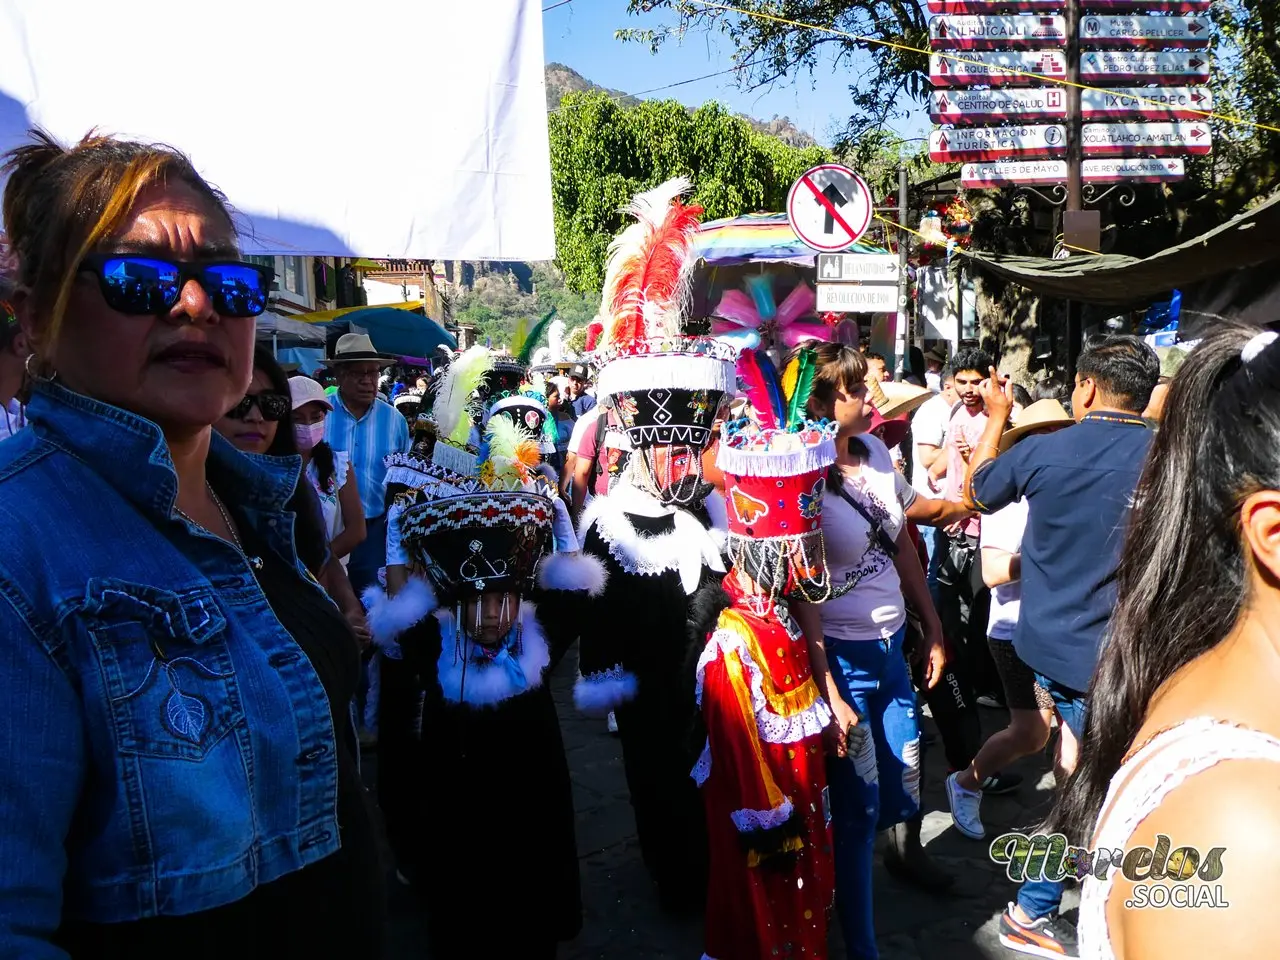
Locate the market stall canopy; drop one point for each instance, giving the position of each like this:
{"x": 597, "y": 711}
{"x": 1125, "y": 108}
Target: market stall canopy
{"x": 400, "y": 332}
{"x": 326, "y": 316}
{"x": 288, "y": 330}
{"x": 1250, "y": 239}
{"x": 758, "y": 238}
{"x": 332, "y": 142}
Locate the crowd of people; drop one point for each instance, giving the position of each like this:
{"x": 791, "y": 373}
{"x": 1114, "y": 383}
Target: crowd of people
{"x": 220, "y": 582}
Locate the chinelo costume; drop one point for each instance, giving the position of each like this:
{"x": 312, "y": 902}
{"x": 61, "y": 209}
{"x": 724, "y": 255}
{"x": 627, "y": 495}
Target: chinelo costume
{"x": 762, "y": 771}
{"x": 496, "y": 858}
{"x": 659, "y": 532}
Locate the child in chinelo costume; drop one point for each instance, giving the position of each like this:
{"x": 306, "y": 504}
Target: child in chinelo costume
{"x": 488, "y": 610}
{"x": 659, "y": 532}
{"x": 762, "y": 773}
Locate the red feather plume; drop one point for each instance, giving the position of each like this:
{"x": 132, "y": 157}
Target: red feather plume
{"x": 650, "y": 268}
{"x": 594, "y": 329}
{"x": 755, "y": 386}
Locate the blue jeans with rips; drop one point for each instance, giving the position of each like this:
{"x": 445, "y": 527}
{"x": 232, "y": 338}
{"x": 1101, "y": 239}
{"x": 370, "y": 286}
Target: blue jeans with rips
{"x": 878, "y": 784}
{"x": 1039, "y": 898}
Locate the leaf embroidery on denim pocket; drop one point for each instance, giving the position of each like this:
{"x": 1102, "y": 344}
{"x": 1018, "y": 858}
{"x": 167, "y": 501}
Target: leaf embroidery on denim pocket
{"x": 186, "y": 715}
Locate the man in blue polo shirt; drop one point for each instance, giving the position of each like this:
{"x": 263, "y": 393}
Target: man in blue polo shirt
{"x": 1078, "y": 484}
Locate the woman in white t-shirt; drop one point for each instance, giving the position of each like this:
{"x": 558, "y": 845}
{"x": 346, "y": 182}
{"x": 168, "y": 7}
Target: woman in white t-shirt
{"x": 871, "y": 558}
{"x": 328, "y": 470}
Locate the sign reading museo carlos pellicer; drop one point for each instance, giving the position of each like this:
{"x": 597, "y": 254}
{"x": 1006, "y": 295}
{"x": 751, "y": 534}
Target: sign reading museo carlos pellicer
{"x": 1158, "y": 32}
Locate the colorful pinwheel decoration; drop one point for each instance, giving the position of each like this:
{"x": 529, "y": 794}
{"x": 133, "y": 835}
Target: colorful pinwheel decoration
{"x": 755, "y": 310}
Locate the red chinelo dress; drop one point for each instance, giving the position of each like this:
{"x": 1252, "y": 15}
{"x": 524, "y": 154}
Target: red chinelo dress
{"x": 764, "y": 783}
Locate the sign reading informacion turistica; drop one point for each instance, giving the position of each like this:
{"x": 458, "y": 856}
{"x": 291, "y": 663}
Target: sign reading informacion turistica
{"x": 1152, "y": 32}
{"x": 829, "y": 207}
{"x": 857, "y": 268}
{"x": 1011, "y": 173}
{"x": 1171, "y": 67}
{"x": 968, "y": 32}
{"x": 1004, "y": 68}
{"x": 1008, "y": 105}
{"x": 1146, "y": 103}
{"x": 856, "y": 297}
{"x": 997, "y": 143}
{"x": 1145, "y": 139}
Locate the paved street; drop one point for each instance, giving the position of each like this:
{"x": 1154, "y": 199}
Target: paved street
{"x": 622, "y": 920}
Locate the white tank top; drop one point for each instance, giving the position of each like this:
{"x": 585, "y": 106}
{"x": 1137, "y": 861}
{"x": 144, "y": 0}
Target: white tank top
{"x": 1163, "y": 764}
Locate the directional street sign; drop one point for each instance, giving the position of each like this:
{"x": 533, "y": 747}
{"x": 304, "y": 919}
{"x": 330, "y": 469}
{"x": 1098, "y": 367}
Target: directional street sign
{"x": 829, "y": 207}
{"x": 1171, "y": 67}
{"x": 996, "y": 6}
{"x": 996, "y": 143}
{"x": 996, "y": 33}
{"x": 1171, "y": 103}
{"x": 1145, "y": 139}
{"x": 857, "y": 298}
{"x": 857, "y": 268}
{"x": 1011, "y": 105}
{"x": 971, "y": 69}
{"x": 1012, "y": 172}
{"x": 1155, "y": 6}
{"x": 1141, "y": 170}
{"x": 1128, "y": 32}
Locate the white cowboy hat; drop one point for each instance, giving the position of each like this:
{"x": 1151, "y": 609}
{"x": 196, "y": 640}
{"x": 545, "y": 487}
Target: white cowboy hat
{"x": 354, "y": 347}
{"x": 894, "y": 398}
{"x": 1037, "y": 416}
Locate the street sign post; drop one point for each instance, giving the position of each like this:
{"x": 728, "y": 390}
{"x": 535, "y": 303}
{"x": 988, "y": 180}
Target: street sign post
{"x": 1140, "y": 170}
{"x": 1011, "y": 105}
{"x": 1124, "y": 33}
{"x": 829, "y": 207}
{"x": 1029, "y": 68}
{"x": 968, "y": 32}
{"x": 857, "y": 268}
{"x": 857, "y": 298}
{"x": 1168, "y": 67}
{"x": 1146, "y": 139}
{"x": 996, "y": 143}
{"x": 1136, "y": 103}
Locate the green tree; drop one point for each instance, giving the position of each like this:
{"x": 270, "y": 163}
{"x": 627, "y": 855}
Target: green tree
{"x": 603, "y": 154}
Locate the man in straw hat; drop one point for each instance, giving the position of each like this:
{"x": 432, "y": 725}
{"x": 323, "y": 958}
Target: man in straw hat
{"x": 368, "y": 430}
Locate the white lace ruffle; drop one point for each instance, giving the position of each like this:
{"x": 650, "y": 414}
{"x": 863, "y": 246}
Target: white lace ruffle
{"x": 687, "y": 548}
{"x": 748, "y": 820}
{"x": 773, "y": 728}
{"x": 1157, "y": 769}
{"x": 702, "y": 769}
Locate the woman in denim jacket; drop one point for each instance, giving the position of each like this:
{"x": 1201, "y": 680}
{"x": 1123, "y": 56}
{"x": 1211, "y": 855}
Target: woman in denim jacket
{"x": 170, "y": 774}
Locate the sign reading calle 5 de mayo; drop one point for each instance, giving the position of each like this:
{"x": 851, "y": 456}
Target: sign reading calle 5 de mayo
{"x": 1004, "y": 68}
{"x": 1133, "y": 170}
{"x": 1145, "y": 139}
{"x": 1155, "y": 103}
{"x": 1011, "y": 105}
{"x": 996, "y": 143}
{"x": 1007, "y": 173}
{"x": 1127, "y": 32}
{"x": 996, "y": 33}
{"x": 1164, "y": 67}
{"x": 857, "y": 298}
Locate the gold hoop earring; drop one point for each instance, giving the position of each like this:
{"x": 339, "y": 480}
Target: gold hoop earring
{"x": 32, "y": 366}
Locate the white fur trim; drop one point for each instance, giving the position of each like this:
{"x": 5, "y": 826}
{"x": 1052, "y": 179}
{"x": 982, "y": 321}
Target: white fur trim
{"x": 573, "y": 571}
{"x": 748, "y": 820}
{"x": 659, "y": 371}
{"x": 599, "y": 693}
{"x": 488, "y": 686}
{"x": 702, "y": 769}
{"x": 391, "y": 616}
{"x": 562, "y": 528}
{"x": 777, "y": 463}
{"x": 718, "y": 511}
{"x": 687, "y": 548}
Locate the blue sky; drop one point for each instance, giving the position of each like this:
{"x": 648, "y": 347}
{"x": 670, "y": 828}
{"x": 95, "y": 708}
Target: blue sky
{"x": 580, "y": 35}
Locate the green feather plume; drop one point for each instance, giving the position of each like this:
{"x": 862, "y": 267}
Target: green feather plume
{"x": 524, "y": 352}
{"x": 806, "y": 368}
{"x": 457, "y": 387}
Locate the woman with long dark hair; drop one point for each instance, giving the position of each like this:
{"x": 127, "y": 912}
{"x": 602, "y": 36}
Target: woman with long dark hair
{"x": 1187, "y": 678}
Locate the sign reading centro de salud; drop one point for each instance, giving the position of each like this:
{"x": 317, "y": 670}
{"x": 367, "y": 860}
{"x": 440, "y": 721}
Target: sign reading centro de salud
{"x": 1004, "y": 68}
{"x": 1011, "y": 105}
{"x": 996, "y": 32}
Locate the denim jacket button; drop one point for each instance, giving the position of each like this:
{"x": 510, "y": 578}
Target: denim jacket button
{"x": 313, "y": 754}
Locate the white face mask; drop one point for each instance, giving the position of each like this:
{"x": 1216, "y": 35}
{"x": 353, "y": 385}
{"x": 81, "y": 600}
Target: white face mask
{"x": 308, "y": 434}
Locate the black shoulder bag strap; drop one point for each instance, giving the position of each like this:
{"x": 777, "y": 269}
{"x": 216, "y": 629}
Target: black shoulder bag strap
{"x": 836, "y": 481}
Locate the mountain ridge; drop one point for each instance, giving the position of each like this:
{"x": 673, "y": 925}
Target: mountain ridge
{"x": 562, "y": 79}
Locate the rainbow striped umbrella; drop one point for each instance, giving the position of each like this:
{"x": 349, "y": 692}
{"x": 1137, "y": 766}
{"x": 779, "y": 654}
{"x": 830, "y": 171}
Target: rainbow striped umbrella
{"x": 758, "y": 238}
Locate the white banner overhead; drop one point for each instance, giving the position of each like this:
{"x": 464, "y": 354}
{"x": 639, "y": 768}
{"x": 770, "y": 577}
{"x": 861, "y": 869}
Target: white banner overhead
{"x": 416, "y": 130}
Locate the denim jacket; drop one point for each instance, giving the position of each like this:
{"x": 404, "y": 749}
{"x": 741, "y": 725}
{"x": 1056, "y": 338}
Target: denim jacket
{"x": 165, "y": 746}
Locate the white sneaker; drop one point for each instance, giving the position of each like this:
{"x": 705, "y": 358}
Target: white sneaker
{"x": 964, "y": 809}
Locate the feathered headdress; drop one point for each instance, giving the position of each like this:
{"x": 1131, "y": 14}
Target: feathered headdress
{"x": 525, "y": 341}
{"x": 454, "y": 397}
{"x": 512, "y": 455}
{"x": 650, "y": 267}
